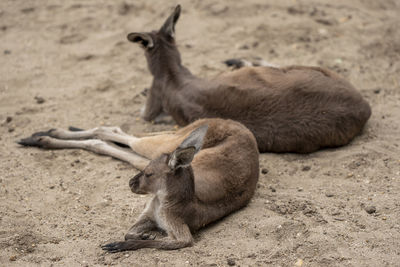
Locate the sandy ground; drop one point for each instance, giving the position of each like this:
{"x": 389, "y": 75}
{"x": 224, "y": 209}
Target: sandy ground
{"x": 68, "y": 63}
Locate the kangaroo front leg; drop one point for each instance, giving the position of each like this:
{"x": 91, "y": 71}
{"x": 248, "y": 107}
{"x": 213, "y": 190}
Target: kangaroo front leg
{"x": 141, "y": 228}
{"x": 94, "y": 145}
{"x": 179, "y": 237}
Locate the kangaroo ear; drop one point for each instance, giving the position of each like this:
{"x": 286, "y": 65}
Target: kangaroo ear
{"x": 184, "y": 154}
{"x": 169, "y": 25}
{"x": 144, "y": 39}
{"x": 181, "y": 157}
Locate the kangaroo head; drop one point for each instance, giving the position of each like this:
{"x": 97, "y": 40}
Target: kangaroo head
{"x": 161, "y": 42}
{"x": 169, "y": 171}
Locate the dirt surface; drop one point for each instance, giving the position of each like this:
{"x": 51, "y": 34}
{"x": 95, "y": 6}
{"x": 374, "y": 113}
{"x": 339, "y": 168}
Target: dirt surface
{"x": 69, "y": 63}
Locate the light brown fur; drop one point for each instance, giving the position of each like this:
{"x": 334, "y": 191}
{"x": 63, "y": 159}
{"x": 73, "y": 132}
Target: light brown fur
{"x": 189, "y": 192}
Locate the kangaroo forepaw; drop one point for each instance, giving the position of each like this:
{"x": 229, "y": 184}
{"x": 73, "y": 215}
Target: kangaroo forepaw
{"x": 113, "y": 247}
{"x": 120, "y": 246}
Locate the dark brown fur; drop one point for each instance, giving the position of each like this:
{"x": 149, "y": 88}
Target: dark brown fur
{"x": 292, "y": 109}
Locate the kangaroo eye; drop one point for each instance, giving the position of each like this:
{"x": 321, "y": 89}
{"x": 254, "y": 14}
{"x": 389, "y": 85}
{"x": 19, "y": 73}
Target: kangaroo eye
{"x": 148, "y": 174}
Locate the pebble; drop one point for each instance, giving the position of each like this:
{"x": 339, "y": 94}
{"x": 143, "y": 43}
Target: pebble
{"x": 306, "y": 168}
{"x": 231, "y": 262}
{"x": 9, "y": 119}
{"x": 370, "y": 209}
{"x": 322, "y": 31}
{"x": 13, "y": 258}
{"x": 329, "y": 194}
{"x": 264, "y": 171}
{"x": 299, "y": 262}
{"x": 39, "y": 99}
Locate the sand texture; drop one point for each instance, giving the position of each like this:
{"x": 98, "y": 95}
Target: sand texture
{"x": 69, "y": 63}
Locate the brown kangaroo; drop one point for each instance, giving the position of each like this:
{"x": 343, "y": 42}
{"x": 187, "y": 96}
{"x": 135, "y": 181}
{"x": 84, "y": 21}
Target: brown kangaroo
{"x": 291, "y": 109}
{"x": 197, "y": 175}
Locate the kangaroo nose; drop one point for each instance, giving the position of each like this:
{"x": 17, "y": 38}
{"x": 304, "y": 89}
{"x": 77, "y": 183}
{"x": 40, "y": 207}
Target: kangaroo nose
{"x": 131, "y": 182}
{"x": 134, "y": 181}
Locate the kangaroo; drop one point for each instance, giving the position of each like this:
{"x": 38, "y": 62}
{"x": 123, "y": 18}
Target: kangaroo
{"x": 291, "y": 109}
{"x": 196, "y": 175}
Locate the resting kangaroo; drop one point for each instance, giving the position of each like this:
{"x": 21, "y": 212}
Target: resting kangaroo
{"x": 197, "y": 175}
{"x": 291, "y": 109}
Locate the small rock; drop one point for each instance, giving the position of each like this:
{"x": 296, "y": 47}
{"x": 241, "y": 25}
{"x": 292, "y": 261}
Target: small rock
{"x": 329, "y": 194}
{"x": 299, "y": 262}
{"x": 370, "y": 209}
{"x": 105, "y": 86}
{"x": 28, "y": 10}
{"x": 71, "y": 39}
{"x": 322, "y": 31}
{"x": 13, "y": 258}
{"x": 326, "y": 22}
{"x": 264, "y": 171}
{"x": 124, "y": 8}
{"x": 294, "y": 11}
{"x": 300, "y": 189}
{"x": 116, "y": 256}
{"x": 231, "y": 262}
{"x": 39, "y": 99}
{"x": 86, "y": 57}
{"x": 377, "y": 91}
{"x": 272, "y": 188}
{"x": 7, "y": 52}
{"x": 338, "y": 61}
{"x": 252, "y": 256}
{"x": 9, "y": 119}
{"x": 244, "y": 47}
{"x": 306, "y": 168}
{"x": 11, "y": 129}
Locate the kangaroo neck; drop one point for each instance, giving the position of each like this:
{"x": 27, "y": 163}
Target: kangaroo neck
{"x": 165, "y": 65}
{"x": 172, "y": 75}
{"x": 180, "y": 187}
